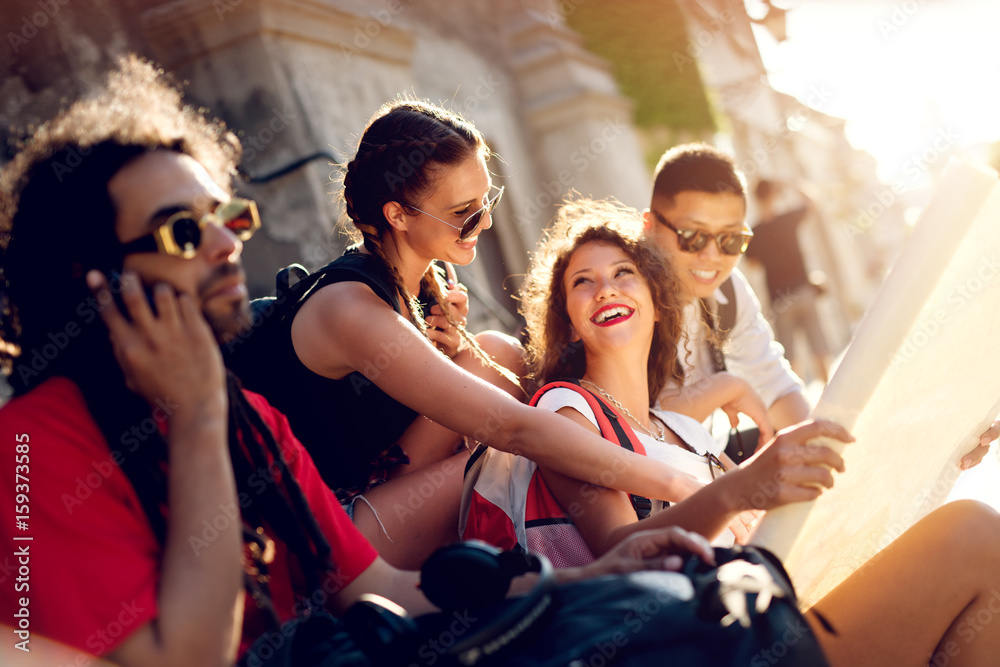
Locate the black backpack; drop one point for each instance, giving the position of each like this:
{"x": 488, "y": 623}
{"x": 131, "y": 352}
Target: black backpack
{"x": 260, "y": 353}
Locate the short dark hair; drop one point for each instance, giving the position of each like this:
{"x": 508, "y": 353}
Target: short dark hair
{"x": 697, "y": 167}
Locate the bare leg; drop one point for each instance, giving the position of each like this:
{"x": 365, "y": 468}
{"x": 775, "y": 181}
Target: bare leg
{"x": 509, "y": 353}
{"x": 419, "y": 512}
{"x": 426, "y": 442}
{"x": 929, "y": 597}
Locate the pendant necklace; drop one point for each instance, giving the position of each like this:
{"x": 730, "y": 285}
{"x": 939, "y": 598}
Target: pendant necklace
{"x": 659, "y": 436}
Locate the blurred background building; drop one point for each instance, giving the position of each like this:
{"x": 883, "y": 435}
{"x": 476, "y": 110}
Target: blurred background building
{"x": 577, "y": 95}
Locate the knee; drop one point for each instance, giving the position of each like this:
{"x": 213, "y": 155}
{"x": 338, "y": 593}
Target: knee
{"x": 504, "y": 349}
{"x": 970, "y": 525}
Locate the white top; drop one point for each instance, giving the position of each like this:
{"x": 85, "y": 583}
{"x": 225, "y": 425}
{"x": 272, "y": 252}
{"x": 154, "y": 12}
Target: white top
{"x": 679, "y": 458}
{"x": 751, "y": 352}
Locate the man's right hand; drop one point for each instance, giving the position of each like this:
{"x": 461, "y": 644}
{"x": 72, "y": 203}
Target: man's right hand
{"x": 170, "y": 356}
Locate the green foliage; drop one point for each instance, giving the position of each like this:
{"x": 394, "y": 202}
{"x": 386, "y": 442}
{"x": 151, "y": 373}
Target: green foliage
{"x": 646, "y": 43}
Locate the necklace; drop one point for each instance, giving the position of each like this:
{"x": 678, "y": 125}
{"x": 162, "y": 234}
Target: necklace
{"x": 659, "y": 436}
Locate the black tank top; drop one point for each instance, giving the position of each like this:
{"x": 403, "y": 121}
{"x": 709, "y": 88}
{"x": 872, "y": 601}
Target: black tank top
{"x": 344, "y": 424}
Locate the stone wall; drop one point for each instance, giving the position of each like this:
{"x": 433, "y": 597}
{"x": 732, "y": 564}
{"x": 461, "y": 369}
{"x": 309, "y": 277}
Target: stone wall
{"x": 297, "y": 77}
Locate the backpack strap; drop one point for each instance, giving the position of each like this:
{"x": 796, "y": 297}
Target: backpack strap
{"x": 720, "y": 320}
{"x": 294, "y": 284}
{"x": 727, "y": 311}
{"x": 613, "y": 427}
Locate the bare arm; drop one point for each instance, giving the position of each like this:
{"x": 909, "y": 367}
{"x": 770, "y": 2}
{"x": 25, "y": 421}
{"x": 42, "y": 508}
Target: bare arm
{"x": 790, "y": 409}
{"x": 381, "y": 578}
{"x": 722, "y": 391}
{"x": 787, "y": 470}
{"x": 346, "y": 327}
{"x": 173, "y": 356}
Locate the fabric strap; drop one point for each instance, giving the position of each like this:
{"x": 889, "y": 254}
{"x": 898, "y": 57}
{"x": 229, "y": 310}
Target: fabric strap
{"x": 619, "y": 428}
{"x": 720, "y": 321}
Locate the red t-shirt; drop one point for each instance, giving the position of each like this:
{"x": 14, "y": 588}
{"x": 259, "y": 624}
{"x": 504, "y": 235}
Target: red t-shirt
{"x": 93, "y": 560}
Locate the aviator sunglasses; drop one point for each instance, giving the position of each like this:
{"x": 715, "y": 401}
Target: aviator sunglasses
{"x": 472, "y": 222}
{"x": 181, "y": 234}
{"x": 694, "y": 240}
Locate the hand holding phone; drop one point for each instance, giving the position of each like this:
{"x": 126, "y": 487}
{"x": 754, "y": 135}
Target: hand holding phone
{"x": 163, "y": 344}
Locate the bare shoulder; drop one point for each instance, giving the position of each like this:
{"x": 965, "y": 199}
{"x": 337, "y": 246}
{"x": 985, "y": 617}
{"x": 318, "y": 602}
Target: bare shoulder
{"x": 581, "y": 419}
{"x": 338, "y": 322}
{"x": 340, "y": 303}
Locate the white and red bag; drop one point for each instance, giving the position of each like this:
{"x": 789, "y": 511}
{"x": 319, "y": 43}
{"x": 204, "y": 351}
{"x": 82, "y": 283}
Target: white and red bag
{"x": 506, "y": 502}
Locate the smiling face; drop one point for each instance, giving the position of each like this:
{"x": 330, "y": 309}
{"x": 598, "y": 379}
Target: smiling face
{"x": 608, "y": 301}
{"x": 456, "y": 193}
{"x": 147, "y": 191}
{"x": 701, "y": 272}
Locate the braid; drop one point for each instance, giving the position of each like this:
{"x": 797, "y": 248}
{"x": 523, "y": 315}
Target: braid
{"x": 374, "y": 245}
{"x": 349, "y": 208}
{"x": 280, "y": 506}
{"x": 430, "y": 279}
{"x": 390, "y": 164}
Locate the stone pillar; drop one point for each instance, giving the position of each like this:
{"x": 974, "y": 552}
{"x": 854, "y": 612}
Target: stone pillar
{"x": 580, "y": 123}
{"x": 291, "y": 78}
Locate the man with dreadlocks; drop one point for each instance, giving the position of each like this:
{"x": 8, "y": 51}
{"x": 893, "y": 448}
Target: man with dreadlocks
{"x": 154, "y": 478}
{"x": 173, "y": 517}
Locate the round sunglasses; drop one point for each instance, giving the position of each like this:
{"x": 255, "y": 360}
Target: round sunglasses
{"x": 471, "y": 223}
{"x": 695, "y": 240}
{"x": 181, "y": 234}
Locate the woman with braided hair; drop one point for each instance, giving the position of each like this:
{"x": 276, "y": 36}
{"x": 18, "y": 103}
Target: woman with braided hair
{"x": 364, "y": 362}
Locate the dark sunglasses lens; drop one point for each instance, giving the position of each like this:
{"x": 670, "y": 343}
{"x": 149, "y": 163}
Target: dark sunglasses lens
{"x": 733, "y": 244}
{"x": 186, "y": 233}
{"x": 471, "y": 224}
{"x": 692, "y": 241}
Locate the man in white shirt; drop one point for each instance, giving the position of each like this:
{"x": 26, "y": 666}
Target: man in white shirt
{"x": 697, "y": 215}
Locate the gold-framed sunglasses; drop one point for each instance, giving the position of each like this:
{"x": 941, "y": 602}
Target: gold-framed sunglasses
{"x": 182, "y": 233}
{"x": 695, "y": 240}
{"x": 472, "y": 222}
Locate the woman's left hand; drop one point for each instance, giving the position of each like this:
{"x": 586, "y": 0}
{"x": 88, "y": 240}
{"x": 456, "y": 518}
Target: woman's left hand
{"x": 443, "y": 334}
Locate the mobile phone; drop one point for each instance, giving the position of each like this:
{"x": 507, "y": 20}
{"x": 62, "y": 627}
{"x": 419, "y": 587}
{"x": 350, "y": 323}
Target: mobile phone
{"x": 122, "y": 308}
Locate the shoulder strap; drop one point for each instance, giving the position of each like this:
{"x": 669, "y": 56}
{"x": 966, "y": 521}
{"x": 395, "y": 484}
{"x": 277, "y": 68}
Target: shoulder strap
{"x": 354, "y": 266}
{"x": 727, "y": 311}
{"x": 613, "y": 427}
{"x": 720, "y": 320}
{"x": 294, "y": 284}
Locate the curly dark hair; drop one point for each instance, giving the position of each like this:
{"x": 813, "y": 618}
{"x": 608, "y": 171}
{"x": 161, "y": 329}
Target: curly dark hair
{"x": 57, "y": 221}
{"x": 54, "y": 199}
{"x": 552, "y": 353}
